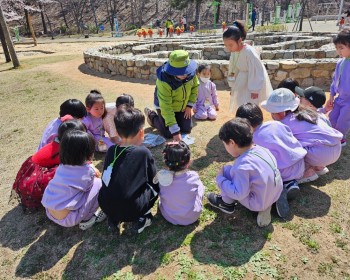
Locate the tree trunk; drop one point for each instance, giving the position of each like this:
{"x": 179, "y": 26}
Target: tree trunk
{"x": 27, "y": 23}
{"x": 63, "y": 14}
{"x": 198, "y": 6}
{"x": 92, "y": 3}
{"x": 218, "y": 11}
{"x": 8, "y": 40}
{"x": 31, "y": 28}
{"x": 50, "y": 26}
{"x": 132, "y": 6}
{"x": 43, "y": 18}
{"x": 4, "y": 46}
{"x": 109, "y": 14}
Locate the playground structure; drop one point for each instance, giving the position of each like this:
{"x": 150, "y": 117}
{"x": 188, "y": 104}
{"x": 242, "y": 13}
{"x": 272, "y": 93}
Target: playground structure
{"x": 310, "y": 58}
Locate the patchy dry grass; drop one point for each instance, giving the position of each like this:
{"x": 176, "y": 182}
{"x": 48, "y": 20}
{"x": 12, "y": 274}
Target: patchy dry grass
{"x": 312, "y": 244}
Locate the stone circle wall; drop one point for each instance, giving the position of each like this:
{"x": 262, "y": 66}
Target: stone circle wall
{"x": 308, "y": 59}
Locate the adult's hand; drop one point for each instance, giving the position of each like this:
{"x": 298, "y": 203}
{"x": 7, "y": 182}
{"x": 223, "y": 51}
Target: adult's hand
{"x": 188, "y": 113}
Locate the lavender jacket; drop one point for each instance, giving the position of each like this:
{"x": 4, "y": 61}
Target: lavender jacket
{"x": 70, "y": 187}
{"x": 251, "y": 180}
{"x": 181, "y": 202}
{"x": 50, "y": 133}
{"x": 206, "y": 91}
{"x": 341, "y": 80}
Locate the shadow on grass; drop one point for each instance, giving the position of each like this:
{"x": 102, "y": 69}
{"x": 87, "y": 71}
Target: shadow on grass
{"x": 19, "y": 229}
{"x": 230, "y": 240}
{"x": 215, "y": 152}
{"x": 312, "y": 203}
{"x": 102, "y": 254}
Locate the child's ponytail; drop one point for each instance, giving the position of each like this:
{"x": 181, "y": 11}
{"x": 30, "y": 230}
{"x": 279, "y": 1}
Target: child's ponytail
{"x": 306, "y": 114}
{"x": 235, "y": 32}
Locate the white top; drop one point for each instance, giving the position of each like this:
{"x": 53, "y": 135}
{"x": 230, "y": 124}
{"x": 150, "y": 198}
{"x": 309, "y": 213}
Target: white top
{"x": 250, "y": 77}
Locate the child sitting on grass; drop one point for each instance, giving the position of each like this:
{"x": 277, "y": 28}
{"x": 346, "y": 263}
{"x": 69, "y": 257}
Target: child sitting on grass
{"x": 71, "y": 196}
{"x": 128, "y": 192}
{"x": 72, "y": 107}
{"x": 181, "y": 190}
{"x": 253, "y": 179}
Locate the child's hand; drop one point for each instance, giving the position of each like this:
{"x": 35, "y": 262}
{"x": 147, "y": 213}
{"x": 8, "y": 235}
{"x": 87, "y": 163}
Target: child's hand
{"x": 217, "y": 108}
{"x": 194, "y": 110}
{"x": 188, "y": 113}
{"x": 330, "y": 100}
{"x": 97, "y": 173}
{"x": 254, "y": 95}
{"x": 329, "y": 106}
{"x": 221, "y": 171}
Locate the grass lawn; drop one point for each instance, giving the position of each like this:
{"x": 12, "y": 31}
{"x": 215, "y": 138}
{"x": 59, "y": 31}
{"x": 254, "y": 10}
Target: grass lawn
{"x": 312, "y": 244}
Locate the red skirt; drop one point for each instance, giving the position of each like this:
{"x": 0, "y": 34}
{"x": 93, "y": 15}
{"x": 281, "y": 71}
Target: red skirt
{"x": 30, "y": 183}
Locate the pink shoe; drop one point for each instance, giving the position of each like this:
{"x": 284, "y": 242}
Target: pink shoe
{"x": 309, "y": 176}
{"x": 321, "y": 170}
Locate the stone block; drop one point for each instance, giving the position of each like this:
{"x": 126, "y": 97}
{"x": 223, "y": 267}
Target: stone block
{"x": 130, "y": 74}
{"x": 122, "y": 70}
{"x": 268, "y": 55}
{"x": 272, "y": 65}
{"x": 216, "y": 73}
{"x": 308, "y": 82}
{"x": 300, "y": 73}
{"x": 288, "y": 64}
{"x": 323, "y": 83}
{"x": 140, "y": 62}
{"x": 281, "y": 75}
{"x": 145, "y": 71}
{"x": 320, "y": 74}
{"x": 130, "y": 62}
{"x": 288, "y": 55}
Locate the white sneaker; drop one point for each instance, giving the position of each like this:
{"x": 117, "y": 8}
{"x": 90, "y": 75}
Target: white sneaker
{"x": 325, "y": 170}
{"x": 308, "y": 179}
{"x": 264, "y": 218}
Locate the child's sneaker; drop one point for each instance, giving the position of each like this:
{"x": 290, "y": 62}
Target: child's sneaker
{"x": 147, "y": 112}
{"x": 98, "y": 217}
{"x": 282, "y": 205}
{"x": 217, "y": 202}
{"x": 309, "y": 176}
{"x": 343, "y": 142}
{"x": 293, "y": 190}
{"x": 321, "y": 170}
{"x": 142, "y": 223}
{"x": 264, "y": 218}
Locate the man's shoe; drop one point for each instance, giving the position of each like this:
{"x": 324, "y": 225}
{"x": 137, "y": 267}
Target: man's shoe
{"x": 282, "y": 205}
{"x": 217, "y": 202}
{"x": 293, "y": 190}
{"x": 142, "y": 223}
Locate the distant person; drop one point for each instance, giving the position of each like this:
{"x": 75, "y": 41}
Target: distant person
{"x": 168, "y": 23}
{"x": 341, "y": 23}
{"x": 158, "y": 23}
{"x": 254, "y": 15}
{"x": 184, "y": 22}
{"x": 348, "y": 16}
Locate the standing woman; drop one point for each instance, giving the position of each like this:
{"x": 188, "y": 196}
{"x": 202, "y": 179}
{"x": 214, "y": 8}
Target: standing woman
{"x": 247, "y": 75}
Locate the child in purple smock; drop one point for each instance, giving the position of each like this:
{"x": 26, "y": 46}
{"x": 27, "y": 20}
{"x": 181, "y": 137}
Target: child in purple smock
{"x": 95, "y": 106}
{"x": 181, "y": 190}
{"x": 321, "y": 141}
{"x": 280, "y": 141}
{"x": 314, "y": 98}
{"x": 340, "y": 115}
{"x": 207, "y": 100}
{"x": 253, "y": 179}
{"x": 72, "y": 107}
{"x": 71, "y": 196}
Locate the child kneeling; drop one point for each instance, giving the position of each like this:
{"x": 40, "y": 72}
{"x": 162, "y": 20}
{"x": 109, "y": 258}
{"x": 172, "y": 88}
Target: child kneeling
{"x": 253, "y": 179}
{"x": 128, "y": 192}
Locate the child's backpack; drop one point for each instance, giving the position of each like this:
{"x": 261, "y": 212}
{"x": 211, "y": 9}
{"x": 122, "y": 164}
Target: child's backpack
{"x": 30, "y": 184}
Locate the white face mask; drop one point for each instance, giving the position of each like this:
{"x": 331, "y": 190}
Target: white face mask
{"x": 204, "y": 80}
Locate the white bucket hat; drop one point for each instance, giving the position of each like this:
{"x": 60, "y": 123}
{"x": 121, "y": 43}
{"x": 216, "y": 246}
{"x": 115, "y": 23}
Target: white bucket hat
{"x": 281, "y": 100}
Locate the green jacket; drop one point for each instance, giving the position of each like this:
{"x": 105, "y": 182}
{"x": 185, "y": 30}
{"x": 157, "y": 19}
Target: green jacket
{"x": 168, "y": 23}
{"x": 174, "y": 96}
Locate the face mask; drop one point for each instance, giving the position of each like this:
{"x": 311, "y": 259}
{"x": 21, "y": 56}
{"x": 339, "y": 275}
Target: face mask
{"x": 204, "y": 80}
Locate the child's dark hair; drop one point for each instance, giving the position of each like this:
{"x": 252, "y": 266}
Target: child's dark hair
{"x": 288, "y": 83}
{"x": 343, "y": 38}
{"x": 124, "y": 99}
{"x": 306, "y": 114}
{"x": 93, "y": 97}
{"x": 128, "y": 121}
{"x": 176, "y": 155}
{"x": 73, "y": 107}
{"x": 239, "y": 130}
{"x": 76, "y": 147}
{"x": 68, "y": 125}
{"x": 202, "y": 66}
{"x": 251, "y": 112}
{"x": 235, "y": 32}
